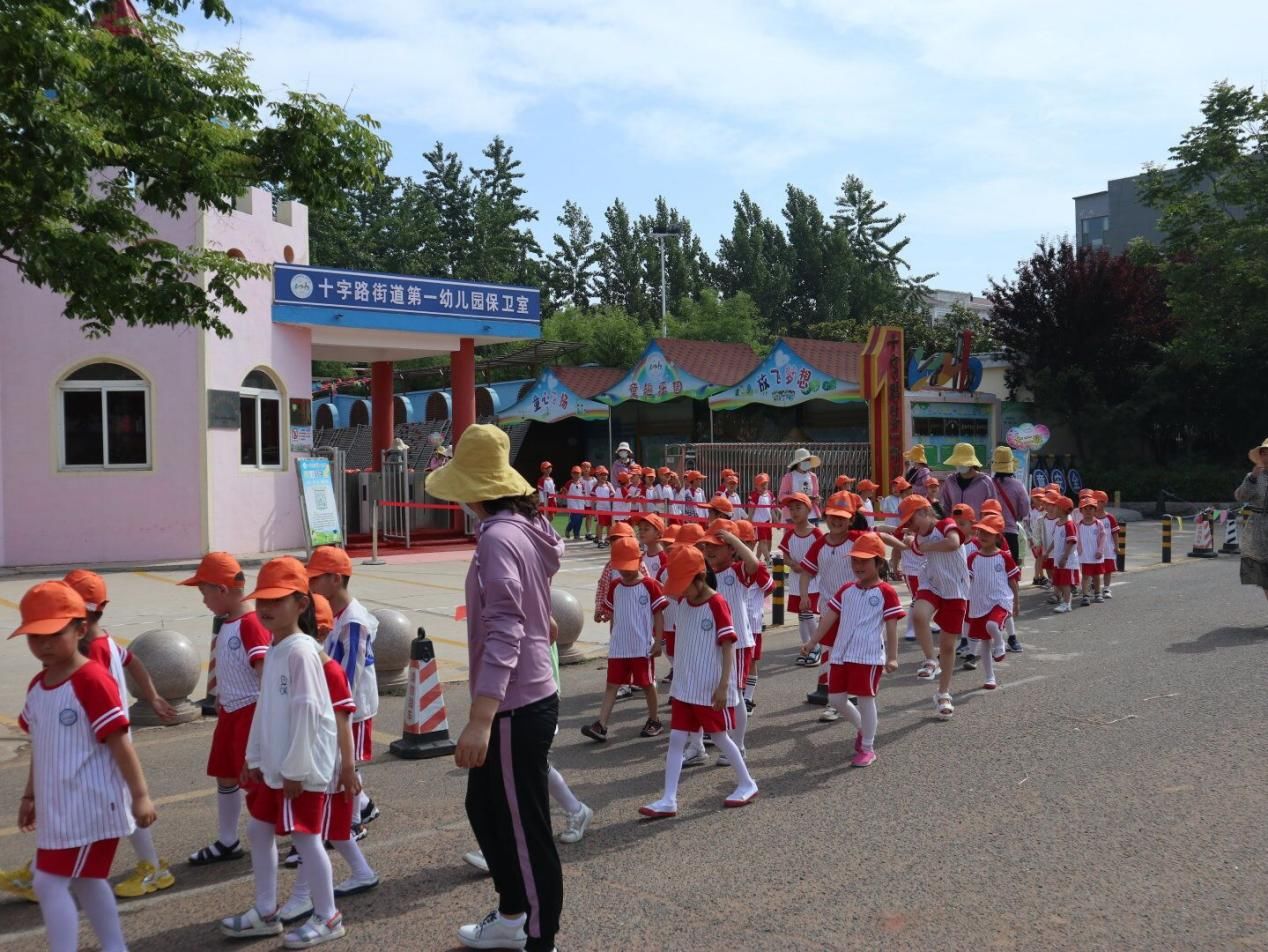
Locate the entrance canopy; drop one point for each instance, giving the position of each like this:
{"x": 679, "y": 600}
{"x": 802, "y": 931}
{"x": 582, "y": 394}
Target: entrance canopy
{"x": 371, "y": 316}
{"x": 681, "y": 368}
{"x": 796, "y": 371}
{"x": 550, "y": 400}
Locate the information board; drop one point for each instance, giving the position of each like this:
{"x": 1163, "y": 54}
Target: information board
{"x": 320, "y": 507}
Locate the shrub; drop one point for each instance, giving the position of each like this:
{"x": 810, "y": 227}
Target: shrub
{"x": 1191, "y": 482}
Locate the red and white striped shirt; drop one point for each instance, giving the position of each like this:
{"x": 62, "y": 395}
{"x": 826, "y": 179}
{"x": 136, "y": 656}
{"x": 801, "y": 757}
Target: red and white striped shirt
{"x": 733, "y": 583}
{"x": 946, "y": 574}
{"x": 1110, "y": 548}
{"x": 797, "y": 547}
{"x": 990, "y": 578}
{"x": 1065, "y": 533}
{"x": 114, "y": 658}
{"x": 830, "y": 564}
{"x": 633, "y": 609}
{"x": 761, "y": 504}
{"x": 575, "y": 493}
{"x": 759, "y": 586}
{"x": 737, "y": 505}
{"x": 621, "y": 502}
{"x": 603, "y": 494}
{"x": 238, "y": 644}
{"x": 654, "y": 565}
{"x": 911, "y": 561}
{"x": 1091, "y": 542}
{"x": 80, "y": 794}
{"x": 701, "y": 510}
{"x": 341, "y": 700}
{"x": 861, "y": 617}
{"x": 703, "y": 632}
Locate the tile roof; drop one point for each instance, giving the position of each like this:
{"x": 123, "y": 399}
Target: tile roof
{"x": 714, "y": 362}
{"x": 838, "y": 358}
{"x": 585, "y": 382}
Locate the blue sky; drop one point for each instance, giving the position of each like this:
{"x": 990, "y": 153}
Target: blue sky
{"x": 979, "y": 119}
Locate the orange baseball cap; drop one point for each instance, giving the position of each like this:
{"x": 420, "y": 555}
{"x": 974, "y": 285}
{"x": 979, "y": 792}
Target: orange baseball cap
{"x": 1088, "y": 502}
{"x": 693, "y": 474}
{"x": 839, "y": 504}
{"x": 963, "y": 509}
{"x": 843, "y": 481}
{"x": 727, "y": 472}
{"x": 621, "y": 530}
{"x": 689, "y": 535}
{"x": 670, "y": 534}
{"x": 547, "y": 464}
{"x": 623, "y": 477}
{"x": 721, "y": 504}
{"x": 1065, "y": 504}
{"x": 993, "y": 524}
{"x": 745, "y": 530}
{"x": 626, "y": 555}
{"x": 281, "y": 577}
{"x": 600, "y": 471}
{"x": 900, "y": 485}
{"x": 716, "y": 527}
{"x": 648, "y": 471}
{"x": 218, "y": 568}
{"x": 992, "y": 505}
{"x": 664, "y": 471}
{"x": 49, "y": 607}
{"x": 867, "y": 486}
{"x": 329, "y": 560}
{"x": 325, "y": 614}
{"x": 575, "y": 471}
{"x": 909, "y": 507}
{"x": 931, "y": 482}
{"x": 1053, "y": 488}
{"x": 762, "y": 479}
{"x": 686, "y": 562}
{"x": 868, "y": 546}
{"x": 1101, "y": 495}
{"x": 653, "y": 520}
{"x": 91, "y": 588}
{"x": 796, "y": 497}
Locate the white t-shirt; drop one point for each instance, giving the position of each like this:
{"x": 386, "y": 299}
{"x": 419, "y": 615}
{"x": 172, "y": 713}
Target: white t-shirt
{"x": 293, "y": 730}
{"x": 862, "y": 614}
{"x": 351, "y": 643}
{"x": 634, "y": 609}
{"x": 990, "y": 578}
{"x": 702, "y": 633}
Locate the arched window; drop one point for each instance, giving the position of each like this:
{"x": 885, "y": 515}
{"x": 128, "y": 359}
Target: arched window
{"x": 360, "y": 414}
{"x": 260, "y": 402}
{"x": 402, "y": 410}
{"x": 105, "y": 416}
{"x": 325, "y": 416}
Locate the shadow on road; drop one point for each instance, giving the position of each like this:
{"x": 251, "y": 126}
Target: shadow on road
{"x": 1221, "y": 638}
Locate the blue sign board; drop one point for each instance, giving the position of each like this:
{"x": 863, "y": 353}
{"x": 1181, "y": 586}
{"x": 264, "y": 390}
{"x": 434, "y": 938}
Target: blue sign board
{"x": 368, "y": 291}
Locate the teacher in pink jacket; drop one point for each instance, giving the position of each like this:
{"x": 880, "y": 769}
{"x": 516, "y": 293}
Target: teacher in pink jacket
{"x": 800, "y": 477}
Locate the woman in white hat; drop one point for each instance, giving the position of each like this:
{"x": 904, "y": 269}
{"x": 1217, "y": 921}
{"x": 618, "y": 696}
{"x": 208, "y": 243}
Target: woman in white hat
{"x": 514, "y": 698}
{"x": 918, "y": 471}
{"x": 624, "y": 461}
{"x": 1254, "y": 537}
{"x": 800, "y": 477}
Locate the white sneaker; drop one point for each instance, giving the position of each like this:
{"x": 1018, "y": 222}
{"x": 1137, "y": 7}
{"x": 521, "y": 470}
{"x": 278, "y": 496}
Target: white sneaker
{"x": 725, "y": 761}
{"x": 315, "y": 931}
{"x": 577, "y": 824}
{"x": 493, "y": 932}
{"x": 694, "y": 756}
{"x": 624, "y": 691}
{"x": 1062, "y": 608}
{"x": 829, "y": 715}
{"x": 355, "y": 885}
{"x": 296, "y": 908}
{"x": 476, "y": 858}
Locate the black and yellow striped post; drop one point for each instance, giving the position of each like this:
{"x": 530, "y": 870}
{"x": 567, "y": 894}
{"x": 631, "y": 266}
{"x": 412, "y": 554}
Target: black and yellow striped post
{"x": 777, "y": 598}
{"x": 1166, "y": 539}
{"x": 1122, "y": 547}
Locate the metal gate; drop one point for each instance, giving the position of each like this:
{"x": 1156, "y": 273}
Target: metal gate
{"x": 749, "y": 459}
{"x": 394, "y": 520}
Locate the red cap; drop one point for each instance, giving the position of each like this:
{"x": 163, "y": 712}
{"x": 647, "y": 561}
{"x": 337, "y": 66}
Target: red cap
{"x": 843, "y": 481}
{"x": 623, "y": 477}
{"x": 621, "y": 530}
{"x": 721, "y": 504}
{"x": 218, "y": 568}
{"x": 963, "y": 509}
{"x": 867, "y": 486}
{"x": 670, "y": 535}
{"x": 745, "y": 530}
{"x": 931, "y": 482}
{"x": 796, "y": 497}
{"x": 626, "y": 556}
{"x": 900, "y": 484}
{"x": 91, "y": 588}
{"x": 839, "y": 504}
{"x": 575, "y": 471}
{"x": 716, "y": 527}
{"x": 49, "y": 607}
{"x": 762, "y": 479}
{"x": 909, "y": 507}
{"x": 686, "y": 562}
{"x": 992, "y": 524}
{"x": 1065, "y": 504}
{"x": 652, "y": 519}
{"x": 648, "y": 471}
{"x": 600, "y": 470}
{"x": 1088, "y": 502}
{"x": 281, "y": 577}
{"x": 547, "y": 464}
{"x": 325, "y": 615}
{"x": 992, "y": 505}
{"x": 868, "y": 546}
{"x": 1101, "y": 495}
{"x": 329, "y": 560}
{"x": 689, "y": 534}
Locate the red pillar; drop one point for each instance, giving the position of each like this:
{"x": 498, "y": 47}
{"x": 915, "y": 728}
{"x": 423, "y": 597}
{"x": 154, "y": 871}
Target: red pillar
{"x": 462, "y": 363}
{"x": 382, "y": 410}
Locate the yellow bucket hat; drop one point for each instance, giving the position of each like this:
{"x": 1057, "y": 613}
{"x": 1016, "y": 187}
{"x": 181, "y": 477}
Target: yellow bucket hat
{"x": 1254, "y": 453}
{"x": 1003, "y": 460}
{"x": 480, "y": 468}
{"x": 963, "y": 455}
{"x": 916, "y": 455}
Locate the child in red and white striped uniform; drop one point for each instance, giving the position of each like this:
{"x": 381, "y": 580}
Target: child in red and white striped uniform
{"x": 291, "y": 757}
{"x": 1091, "y": 550}
{"x": 241, "y": 644}
{"x": 732, "y": 494}
{"x": 603, "y": 493}
{"x": 862, "y": 621}
{"x": 735, "y": 569}
{"x": 546, "y": 484}
{"x": 1065, "y": 553}
{"x": 341, "y": 795}
{"x": 634, "y": 603}
{"x": 794, "y": 546}
{"x": 760, "y": 585}
{"x": 761, "y": 502}
{"x": 622, "y": 530}
{"x": 704, "y": 695}
{"x": 648, "y": 529}
{"x": 85, "y": 786}
{"x": 828, "y": 563}
{"x": 622, "y": 505}
{"x": 1109, "y": 563}
{"x": 575, "y": 501}
{"x": 588, "y": 482}
{"x": 993, "y": 579}
{"x": 964, "y": 516}
{"x": 151, "y": 874}
{"x": 695, "y": 495}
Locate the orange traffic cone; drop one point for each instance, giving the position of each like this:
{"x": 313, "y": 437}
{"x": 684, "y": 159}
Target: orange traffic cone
{"x": 426, "y": 732}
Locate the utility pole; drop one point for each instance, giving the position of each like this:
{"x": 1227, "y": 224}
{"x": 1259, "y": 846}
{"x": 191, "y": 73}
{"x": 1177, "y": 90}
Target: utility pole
{"x": 660, "y": 234}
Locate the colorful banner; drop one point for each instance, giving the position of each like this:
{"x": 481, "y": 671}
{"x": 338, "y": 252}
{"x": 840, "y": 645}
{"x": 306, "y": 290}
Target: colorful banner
{"x": 656, "y": 379}
{"x": 320, "y": 508}
{"x": 551, "y": 400}
{"x": 784, "y": 379}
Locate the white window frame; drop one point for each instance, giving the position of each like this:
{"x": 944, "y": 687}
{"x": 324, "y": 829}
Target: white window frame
{"x": 104, "y": 387}
{"x": 255, "y": 394}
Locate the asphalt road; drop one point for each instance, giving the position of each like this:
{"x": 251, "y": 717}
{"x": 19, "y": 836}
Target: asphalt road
{"x": 1112, "y": 794}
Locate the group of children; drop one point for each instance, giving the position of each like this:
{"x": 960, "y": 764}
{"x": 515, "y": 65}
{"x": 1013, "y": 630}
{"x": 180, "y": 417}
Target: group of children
{"x": 1073, "y": 552}
{"x": 296, "y": 696}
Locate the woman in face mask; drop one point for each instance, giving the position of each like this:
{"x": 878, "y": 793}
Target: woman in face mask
{"x": 514, "y": 699}
{"x": 624, "y": 461}
{"x": 800, "y": 477}
{"x": 969, "y": 484}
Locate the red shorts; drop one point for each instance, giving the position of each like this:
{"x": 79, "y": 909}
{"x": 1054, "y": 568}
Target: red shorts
{"x": 1065, "y": 577}
{"x": 1109, "y": 566}
{"x": 977, "y": 626}
{"x": 757, "y": 648}
{"x": 605, "y": 520}
{"x": 743, "y": 665}
{"x": 337, "y": 820}
{"x": 794, "y": 603}
{"x": 1093, "y": 569}
{"x": 229, "y": 743}
{"x": 913, "y": 584}
{"x": 1049, "y": 564}
{"x": 699, "y": 717}
{"x": 861, "y": 680}
{"x": 669, "y": 644}
{"x": 305, "y": 814}
{"x": 636, "y": 671}
{"x": 765, "y": 533}
{"x": 948, "y": 613}
{"x": 362, "y": 740}
{"x": 79, "y": 862}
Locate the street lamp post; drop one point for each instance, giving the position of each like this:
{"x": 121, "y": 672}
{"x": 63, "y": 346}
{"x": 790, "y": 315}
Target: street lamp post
{"x": 660, "y": 234}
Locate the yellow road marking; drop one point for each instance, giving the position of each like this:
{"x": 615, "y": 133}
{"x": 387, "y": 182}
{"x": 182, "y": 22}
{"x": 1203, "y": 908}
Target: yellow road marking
{"x": 8, "y": 721}
{"x": 157, "y": 578}
{"x": 448, "y": 641}
{"x": 159, "y": 802}
{"x": 410, "y": 581}
{"x": 8, "y": 604}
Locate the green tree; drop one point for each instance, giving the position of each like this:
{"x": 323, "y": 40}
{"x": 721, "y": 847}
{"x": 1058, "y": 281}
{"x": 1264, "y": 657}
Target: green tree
{"x": 755, "y": 260}
{"x": 99, "y": 123}
{"x": 710, "y": 317}
{"x": 390, "y": 226}
{"x": 449, "y": 189}
{"x": 502, "y": 244}
{"x": 622, "y": 282}
{"x": 610, "y": 337}
{"x": 1214, "y": 215}
{"x": 571, "y": 269}
{"x": 687, "y": 266}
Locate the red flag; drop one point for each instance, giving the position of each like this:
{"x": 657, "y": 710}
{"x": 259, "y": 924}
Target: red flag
{"x": 460, "y": 613}
{"x": 123, "y": 20}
